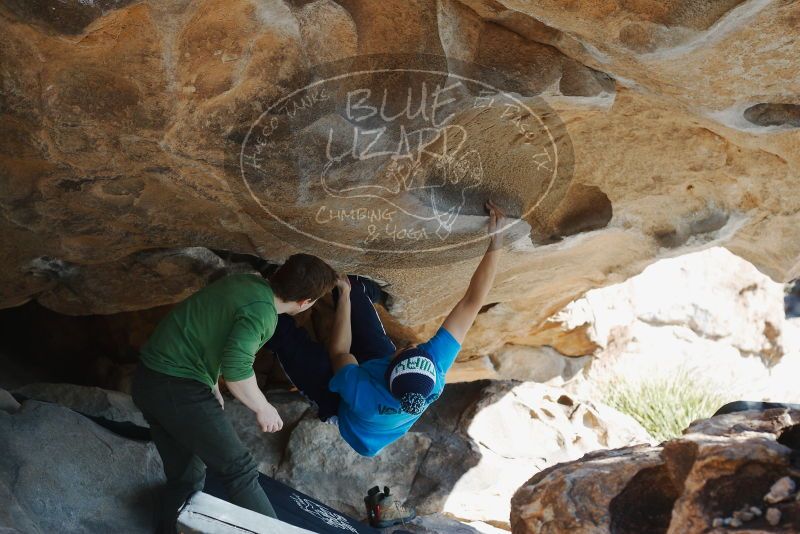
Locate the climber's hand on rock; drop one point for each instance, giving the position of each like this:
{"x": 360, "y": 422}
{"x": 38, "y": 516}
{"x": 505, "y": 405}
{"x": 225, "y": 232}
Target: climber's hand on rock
{"x": 268, "y": 419}
{"x": 343, "y": 284}
{"x": 496, "y": 224}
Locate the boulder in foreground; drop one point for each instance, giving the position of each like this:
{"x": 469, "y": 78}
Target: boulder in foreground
{"x": 719, "y": 476}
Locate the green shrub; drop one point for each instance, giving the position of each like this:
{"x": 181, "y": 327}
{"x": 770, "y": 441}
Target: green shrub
{"x": 664, "y": 405}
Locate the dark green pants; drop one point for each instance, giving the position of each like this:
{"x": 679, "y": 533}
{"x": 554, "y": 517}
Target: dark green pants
{"x": 191, "y": 431}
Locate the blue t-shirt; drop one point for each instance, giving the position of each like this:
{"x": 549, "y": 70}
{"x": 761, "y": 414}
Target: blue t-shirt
{"x": 369, "y": 415}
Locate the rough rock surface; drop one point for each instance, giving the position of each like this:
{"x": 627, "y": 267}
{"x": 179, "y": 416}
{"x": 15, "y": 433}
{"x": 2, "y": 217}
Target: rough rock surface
{"x": 435, "y": 524}
{"x": 719, "y": 467}
{"x": 536, "y": 364}
{"x": 8, "y": 403}
{"x": 268, "y": 449}
{"x": 522, "y": 428}
{"x": 60, "y": 472}
{"x": 709, "y": 313}
{"x": 116, "y": 406}
{"x": 711, "y": 295}
{"x": 97, "y": 402}
{"x": 321, "y": 464}
{"x": 118, "y": 119}
{"x": 464, "y": 458}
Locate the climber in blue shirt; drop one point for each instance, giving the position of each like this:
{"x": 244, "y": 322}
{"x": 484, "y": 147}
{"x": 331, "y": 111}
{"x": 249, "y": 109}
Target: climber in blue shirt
{"x": 373, "y": 391}
{"x": 370, "y": 413}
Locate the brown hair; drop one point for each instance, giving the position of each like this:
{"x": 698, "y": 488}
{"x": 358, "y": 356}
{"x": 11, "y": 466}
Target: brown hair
{"x": 302, "y": 277}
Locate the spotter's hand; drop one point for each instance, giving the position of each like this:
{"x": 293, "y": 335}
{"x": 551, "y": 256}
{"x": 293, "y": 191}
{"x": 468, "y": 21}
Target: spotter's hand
{"x": 268, "y": 419}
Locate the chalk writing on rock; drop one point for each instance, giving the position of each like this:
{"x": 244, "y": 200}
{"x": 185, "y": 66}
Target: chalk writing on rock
{"x": 399, "y": 159}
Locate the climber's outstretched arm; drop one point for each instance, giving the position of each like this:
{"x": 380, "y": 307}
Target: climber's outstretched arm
{"x": 463, "y": 315}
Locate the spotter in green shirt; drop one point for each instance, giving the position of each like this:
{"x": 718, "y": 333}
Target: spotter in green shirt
{"x": 218, "y": 330}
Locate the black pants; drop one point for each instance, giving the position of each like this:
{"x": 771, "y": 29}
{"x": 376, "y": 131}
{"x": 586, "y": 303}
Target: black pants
{"x": 307, "y": 363}
{"x": 191, "y": 431}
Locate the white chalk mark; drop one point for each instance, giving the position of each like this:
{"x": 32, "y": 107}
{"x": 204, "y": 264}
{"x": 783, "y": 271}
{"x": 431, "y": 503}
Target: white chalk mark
{"x": 733, "y": 117}
{"x": 737, "y": 17}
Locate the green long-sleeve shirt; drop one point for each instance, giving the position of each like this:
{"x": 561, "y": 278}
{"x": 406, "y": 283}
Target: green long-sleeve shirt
{"x": 217, "y": 330}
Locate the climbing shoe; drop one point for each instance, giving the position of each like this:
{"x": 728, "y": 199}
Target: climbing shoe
{"x": 384, "y": 511}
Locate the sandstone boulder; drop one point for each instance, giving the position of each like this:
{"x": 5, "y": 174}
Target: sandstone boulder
{"x": 267, "y": 448}
{"x": 65, "y": 473}
{"x": 7, "y": 402}
{"x": 123, "y": 122}
{"x": 467, "y": 454}
{"x": 718, "y": 471}
{"x": 435, "y": 524}
{"x": 321, "y": 464}
{"x": 714, "y": 294}
{"x": 464, "y": 458}
{"x": 98, "y": 402}
{"x": 537, "y": 364}
{"x": 522, "y": 428}
{"x": 710, "y": 314}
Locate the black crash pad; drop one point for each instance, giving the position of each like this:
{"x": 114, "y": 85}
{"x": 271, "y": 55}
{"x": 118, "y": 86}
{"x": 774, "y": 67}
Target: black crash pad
{"x": 297, "y": 508}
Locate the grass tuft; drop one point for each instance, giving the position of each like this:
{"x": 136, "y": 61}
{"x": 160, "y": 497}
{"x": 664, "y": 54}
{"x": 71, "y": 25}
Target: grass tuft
{"x": 664, "y": 405}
